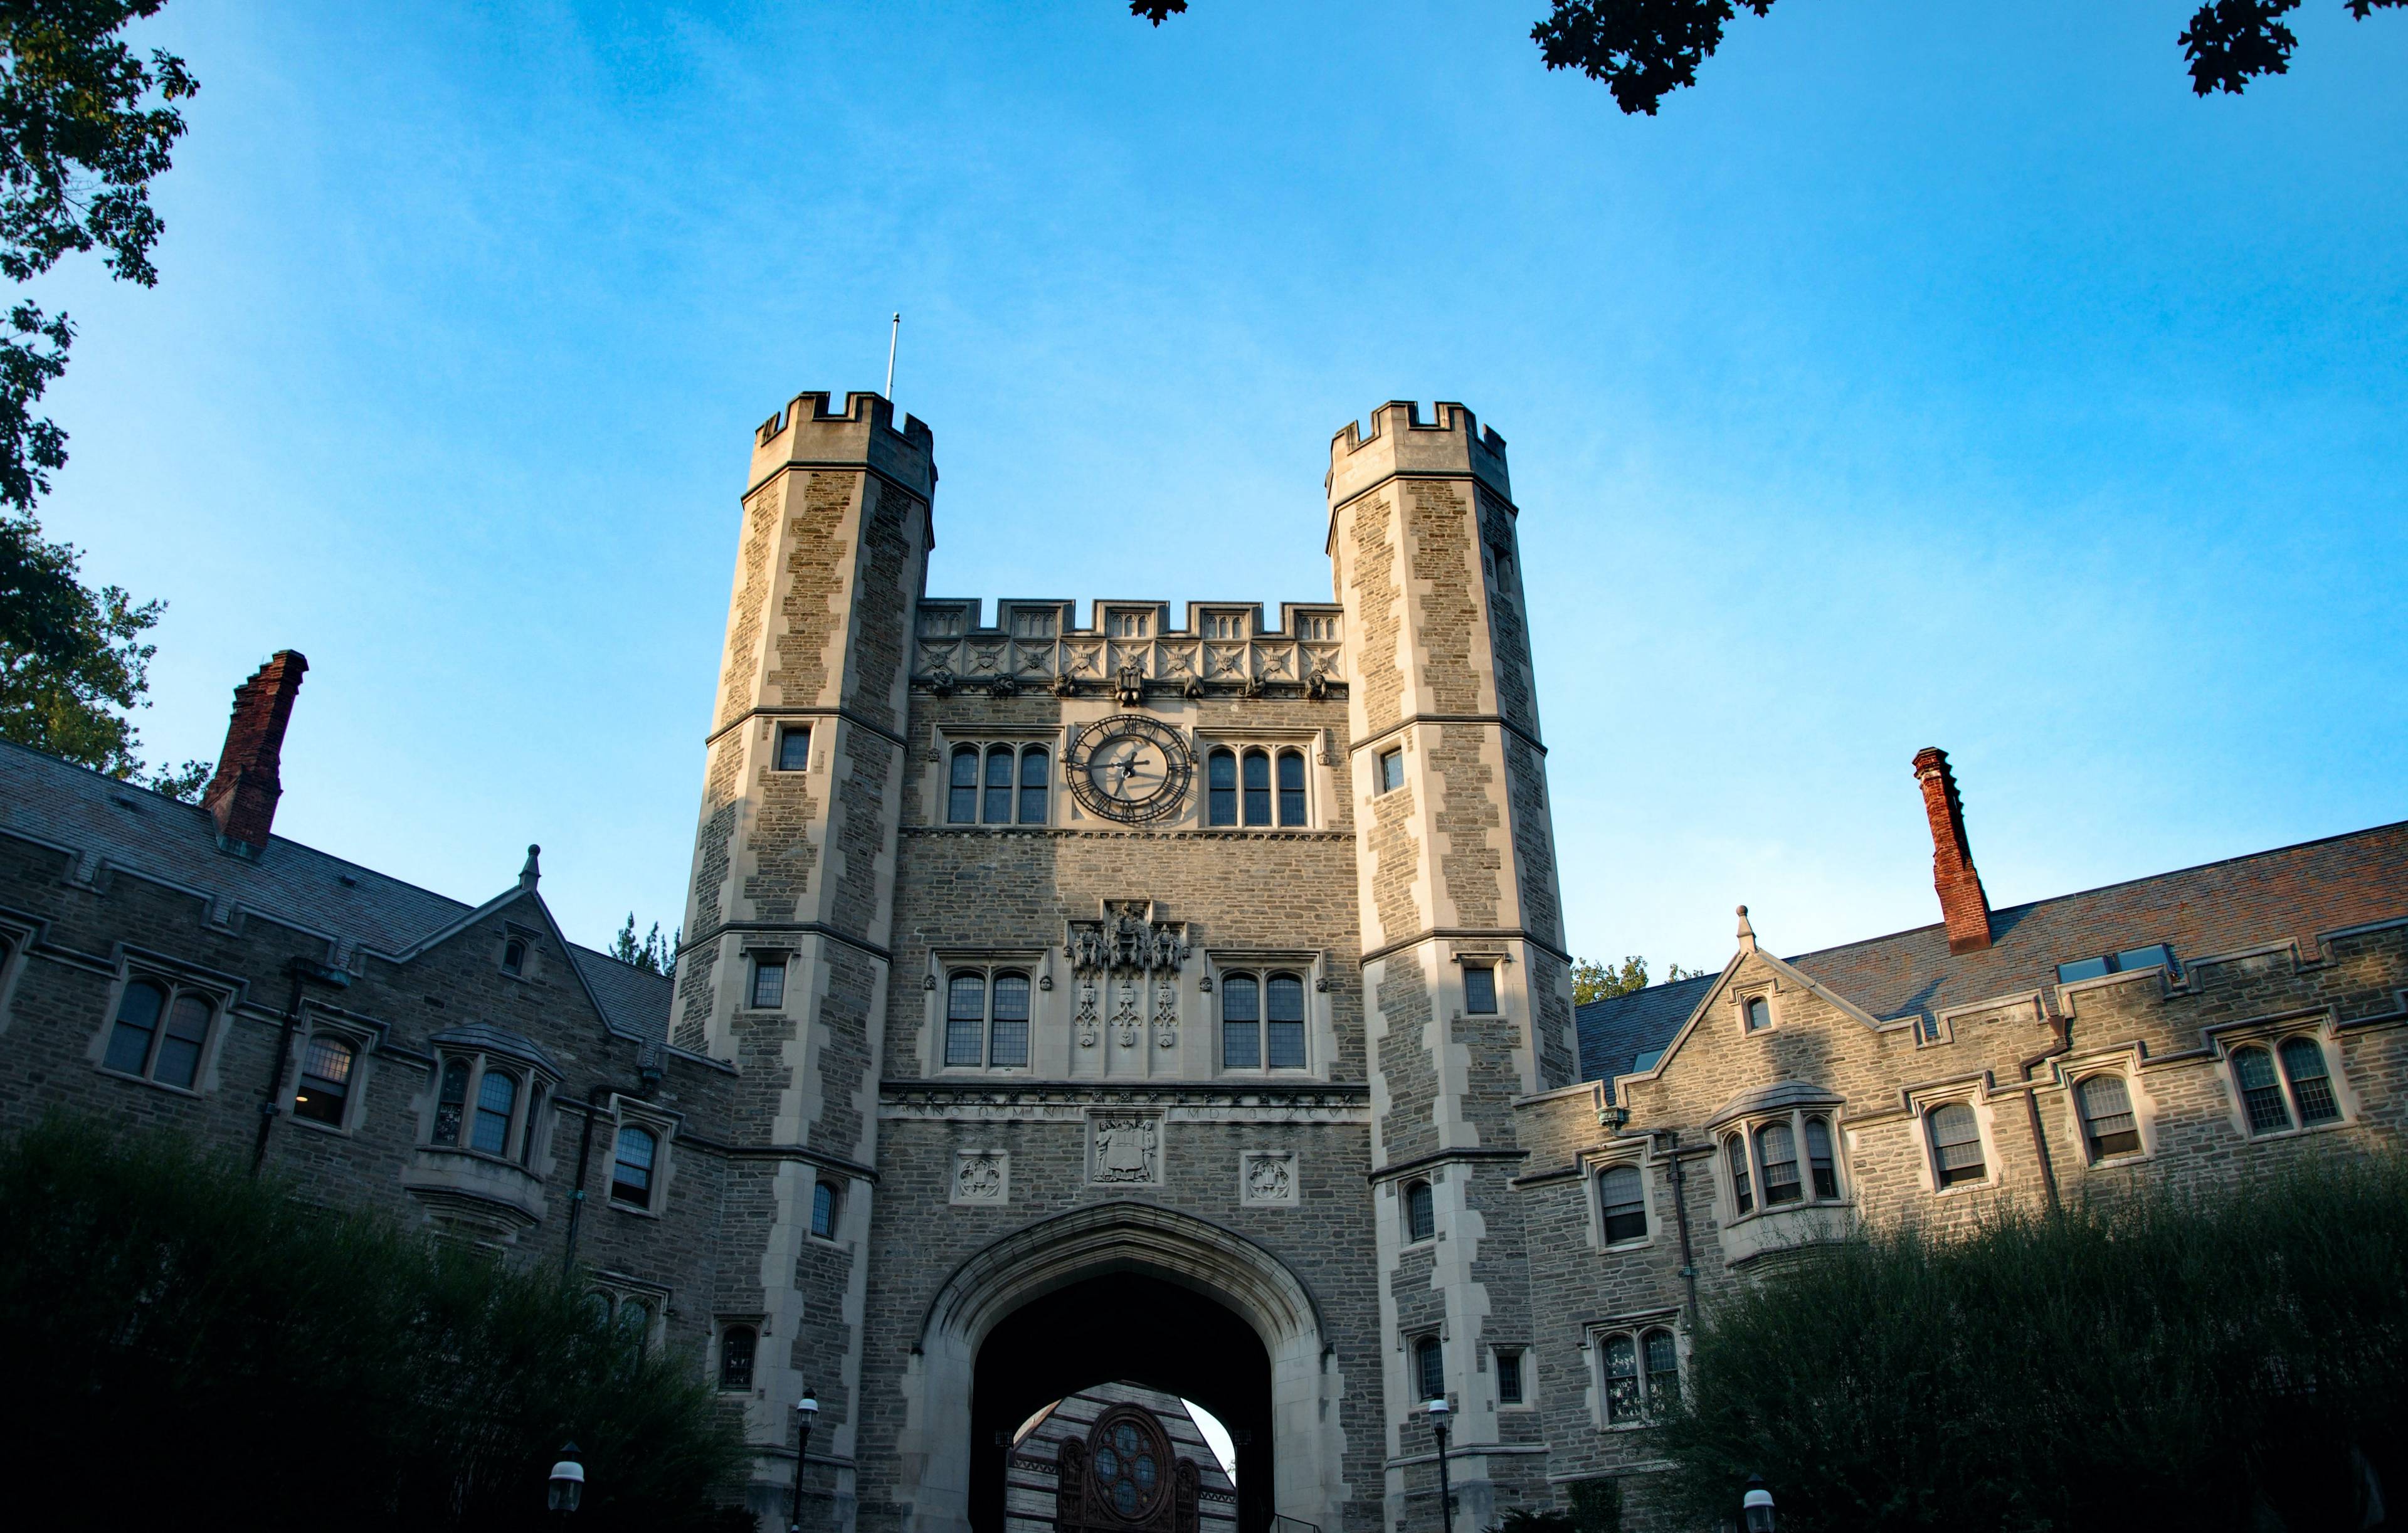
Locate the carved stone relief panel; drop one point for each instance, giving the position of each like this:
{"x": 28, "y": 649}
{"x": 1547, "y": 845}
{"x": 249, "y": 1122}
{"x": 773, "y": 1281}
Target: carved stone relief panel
{"x": 1127, "y": 964}
{"x": 981, "y": 1176}
{"x": 1267, "y": 1178}
{"x": 1124, "y": 1148}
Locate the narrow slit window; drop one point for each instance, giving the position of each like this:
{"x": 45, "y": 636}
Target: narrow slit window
{"x": 964, "y": 1019}
{"x": 2304, "y": 1061}
{"x": 1035, "y": 776}
{"x": 1421, "y": 1211}
{"x": 1777, "y": 1148}
{"x": 1008, "y": 1031}
{"x": 1760, "y": 1013}
{"x": 961, "y": 799}
{"x": 794, "y": 748}
{"x": 2107, "y": 1121}
{"x": 1258, "y": 788}
{"x": 515, "y": 956}
{"x": 1291, "y": 788}
{"x": 1956, "y": 1144}
{"x": 999, "y": 786}
{"x": 497, "y": 1095}
{"x": 1242, "y": 1047}
{"x": 1392, "y": 770}
{"x": 1742, "y": 1190}
{"x": 1622, "y": 1197}
{"x": 1284, "y": 1022}
{"x": 534, "y": 1121}
{"x": 1220, "y": 788}
{"x": 325, "y": 1081}
{"x": 1825, "y": 1166}
{"x": 2261, "y": 1092}
{"x": 1508, "y": 1378}
{"x": 824, "y": 1207}
{"x": 1480, "y": 989}
{"x": 631, "y": 1166}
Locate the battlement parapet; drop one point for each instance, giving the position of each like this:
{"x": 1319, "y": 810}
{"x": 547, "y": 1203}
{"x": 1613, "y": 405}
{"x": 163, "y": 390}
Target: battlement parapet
{"x": 805, "y": 434}
{"x": 1129, "y": 650}
{"x": 1450, "y": 443}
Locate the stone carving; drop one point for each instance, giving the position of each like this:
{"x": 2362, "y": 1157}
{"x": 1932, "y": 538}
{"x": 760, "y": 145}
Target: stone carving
{"x": 1267, "y": 1176}
{"x": 1066, "y": 685}
{"x": 1002, "y": 687}
{"x": 981, "y": 1176}
{"x": 1190, "y": 662}
{"x": 1130, "y": 957}
{"x": 940, "y": 682}
{"x": 1126, "y": 1149}
{"x": 1131, "y": 687}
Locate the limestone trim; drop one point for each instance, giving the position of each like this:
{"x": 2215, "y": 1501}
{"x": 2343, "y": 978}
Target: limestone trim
{"x": 765, "y": 710}
{"x": 1194, "y": 1253}
{"x": 1382, "y": 736}
{"x": 784, "y": 929}
{"x": 1465, "y": 933}
{"x": 1440, "y": 1158}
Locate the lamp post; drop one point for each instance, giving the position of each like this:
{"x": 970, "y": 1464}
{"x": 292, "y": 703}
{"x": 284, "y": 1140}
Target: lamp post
{"x": 1756, "y": 1506}
{"x": 1437, "y": 1409}
{"x": 807, "y": 1410}
{"x": 567, "y": 1486}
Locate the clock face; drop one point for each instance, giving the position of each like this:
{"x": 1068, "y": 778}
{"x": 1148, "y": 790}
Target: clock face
{"x": 1131, "y": 768}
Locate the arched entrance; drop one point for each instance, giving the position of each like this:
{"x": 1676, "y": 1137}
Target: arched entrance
{"x": 1122, "y": 1291}
{"x": 1123, "y": 1326}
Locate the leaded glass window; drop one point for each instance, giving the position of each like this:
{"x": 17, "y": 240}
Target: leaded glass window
{"x": 1421, "y": 1211}
{"x": 2261, "y": 1092}
{"x": 1283, "y": 1020}
{"x": 159, "y": 1033}
{"x": 1258, "y": 788}
{"x": 999, "y": 786}
{"x": 1007, "y": 1034}
{"x": 1220, "y": 788}
{"x": 1622, "y": 1194}
{"x": 824, "y": 1206}
{"x": 1128, "y": 1463}
{"x": 1956, "y": 1143}
{"x": 1508, "y": 1378}
{"x": 964, "y": 1019}
{"x": 1034, "y": 778}
{"x": 1742, "y": 1190}
{"x": 1429, "y": 1367}
{"x": 1291, "y": 788}
{"x": 1663, "y": 1369}
{"x": 497, "y": 1095}
{"x": 794, "y": 748}
{"x": 450, "y": 1102}
{"x": 737, "y": 1345}
{"x": 2310, "y": 1087}
{"x": 2107, "y": 1122}
{"x": 631, "y": 1166}
{"x": 1760, "y": 1013}
{"x": 1778, "y": 1149}
{"x": 137, "y": 1026}
{"x": 1625, "y": 1398}
{"x": 1480, "y": 989}
{"x": 325, "y": 1080}
{"x": 1819, "y": 1157}
{"x": 961, "y": 799}
{"x": 1241, "y": 1045}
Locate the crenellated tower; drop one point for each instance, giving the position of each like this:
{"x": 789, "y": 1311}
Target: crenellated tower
{"x": 784, "y": 969}
{"x": 1467, "y": 986}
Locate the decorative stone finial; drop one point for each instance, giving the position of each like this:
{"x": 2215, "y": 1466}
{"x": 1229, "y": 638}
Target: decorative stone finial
{"x": 529, "y": 874}
{"x": 1746, "y": 932}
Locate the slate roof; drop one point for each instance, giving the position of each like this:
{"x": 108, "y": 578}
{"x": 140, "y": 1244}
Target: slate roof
{"x": 104, "y": 823}
{"x": 2293, "y": 893}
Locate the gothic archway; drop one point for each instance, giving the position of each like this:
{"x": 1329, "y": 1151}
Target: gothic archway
{"x": 1122, "y": 1291}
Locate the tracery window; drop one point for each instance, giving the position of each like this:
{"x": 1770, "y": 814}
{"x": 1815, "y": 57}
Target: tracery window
{"x": 986, "y": 1019}
{"x": 1130, "y": 1463}
{"x": 160, "y": 1032}
{"x": 490, "y": 1106}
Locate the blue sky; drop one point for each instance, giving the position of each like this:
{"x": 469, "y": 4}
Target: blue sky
{"x": 1929, "y": 374}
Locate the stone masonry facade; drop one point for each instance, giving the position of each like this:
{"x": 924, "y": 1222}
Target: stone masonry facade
{"x": 1028, "y": 962}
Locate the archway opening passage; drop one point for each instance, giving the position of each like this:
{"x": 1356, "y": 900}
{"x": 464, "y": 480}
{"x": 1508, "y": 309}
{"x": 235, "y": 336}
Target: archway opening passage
{"x": 1122, "y": 1327}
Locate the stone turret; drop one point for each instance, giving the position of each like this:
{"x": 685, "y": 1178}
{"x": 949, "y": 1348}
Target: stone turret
{"x": 1467, "y": 986}
{"x": 784, "y": 969}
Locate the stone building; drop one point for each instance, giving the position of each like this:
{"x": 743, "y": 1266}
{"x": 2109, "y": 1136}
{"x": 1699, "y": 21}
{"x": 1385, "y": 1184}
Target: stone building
{"x": 1182, "y": 1006}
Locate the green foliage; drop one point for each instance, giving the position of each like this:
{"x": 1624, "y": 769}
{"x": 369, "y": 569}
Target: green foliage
{"x": 654, "y": 952}
{"x": 183, "y": 1337}
{"x": 2152, "y": 1362}
{"x": 1645, "y": 50}
{"x": 1597, "y": 1506}
{"x": 1595, "y": 981}
{"x": 70, "y": 657}
{"x": 1524, "y": 1520}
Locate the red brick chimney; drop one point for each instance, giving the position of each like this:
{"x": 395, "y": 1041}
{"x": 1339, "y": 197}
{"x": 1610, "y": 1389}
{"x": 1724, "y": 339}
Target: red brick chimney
{"x": 1963, "y": 903}
{"x": 242, "y": 797}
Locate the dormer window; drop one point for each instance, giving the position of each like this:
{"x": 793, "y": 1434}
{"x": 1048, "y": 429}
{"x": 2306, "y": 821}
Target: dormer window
{"x": 2155, "y": 955}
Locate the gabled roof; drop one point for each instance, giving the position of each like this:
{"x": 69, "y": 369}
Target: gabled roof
{"x": 2293, "y": 893}
{"x": 102, "y": 822}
